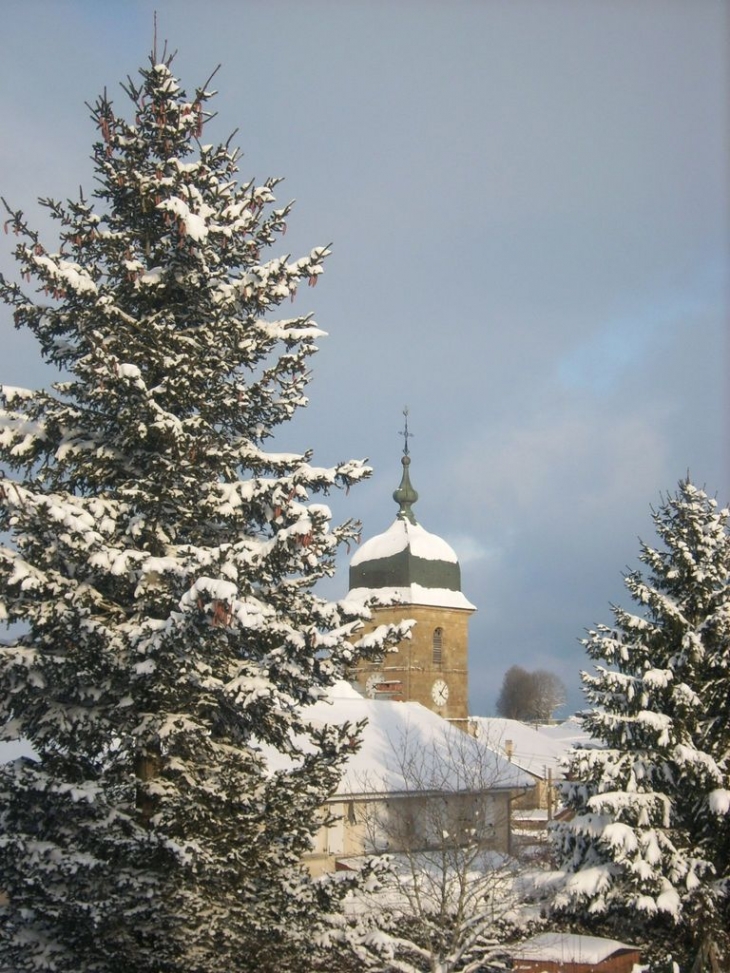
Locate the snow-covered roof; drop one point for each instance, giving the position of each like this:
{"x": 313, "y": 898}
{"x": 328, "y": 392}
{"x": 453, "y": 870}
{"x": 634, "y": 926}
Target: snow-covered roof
{"x": 400, "y": 535}
{"x": 412, "y": 594}
{"x": 531, "y": 750}
{"x": 439, "y": 755}
{"x": 570, "y": 732}
{"x": 563, "y": 947}
{"x": 408, "y": 565}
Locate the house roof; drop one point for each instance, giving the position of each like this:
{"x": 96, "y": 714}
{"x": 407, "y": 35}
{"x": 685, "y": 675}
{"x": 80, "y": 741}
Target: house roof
{"x": 406, "y": 748}
{"x": 570, "y": 732}
{"x": 531, "y": 750}
{"x": 561, "y": 947}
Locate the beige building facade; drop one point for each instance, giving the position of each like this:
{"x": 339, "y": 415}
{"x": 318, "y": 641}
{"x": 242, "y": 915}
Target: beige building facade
{"x": 403, "y": 824}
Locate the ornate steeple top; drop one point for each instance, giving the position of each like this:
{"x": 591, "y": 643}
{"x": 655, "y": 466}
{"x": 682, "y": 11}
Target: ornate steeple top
{"x": 406, "y": 562}
{"x": 405, "y": 496}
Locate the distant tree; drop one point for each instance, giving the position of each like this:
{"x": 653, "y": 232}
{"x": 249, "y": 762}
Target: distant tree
{"x": 548, "y": 695}
{"x": 530, "y": 695}
{"x": 648, "y": 846}
{"x": 515, "y": 695}
{"x": 157, "y": 571}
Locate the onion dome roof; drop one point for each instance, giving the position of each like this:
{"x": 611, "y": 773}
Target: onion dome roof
{"x": 407, "y": 563}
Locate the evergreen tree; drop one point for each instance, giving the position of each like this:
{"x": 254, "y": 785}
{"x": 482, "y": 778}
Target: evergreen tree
{"x": 158, "y": 581}
{"x": 649, "y": 845}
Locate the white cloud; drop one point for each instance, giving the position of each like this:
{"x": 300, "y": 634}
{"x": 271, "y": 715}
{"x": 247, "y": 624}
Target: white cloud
{"x": 470, "y": 548}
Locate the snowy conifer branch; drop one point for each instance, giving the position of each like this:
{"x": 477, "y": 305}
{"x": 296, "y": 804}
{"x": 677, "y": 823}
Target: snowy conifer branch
{"x": 159, "y": 577}
{"x": 648, "y": 844}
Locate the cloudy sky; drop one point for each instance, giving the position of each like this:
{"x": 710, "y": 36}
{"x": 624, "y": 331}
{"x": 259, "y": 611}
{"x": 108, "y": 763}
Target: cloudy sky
{"x": 528, "y": 207}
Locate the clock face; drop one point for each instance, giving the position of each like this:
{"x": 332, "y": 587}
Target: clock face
{"x": 371, "y": 686}
{"x": 439, "y": 692}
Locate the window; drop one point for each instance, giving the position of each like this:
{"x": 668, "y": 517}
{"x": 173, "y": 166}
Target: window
{"x": 438, "y": 644}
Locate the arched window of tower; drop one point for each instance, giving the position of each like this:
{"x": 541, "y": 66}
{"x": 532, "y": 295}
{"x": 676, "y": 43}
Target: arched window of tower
{"x": 438, "y": 644}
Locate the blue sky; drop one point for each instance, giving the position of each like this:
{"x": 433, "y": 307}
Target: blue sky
{"x": 528, "y": 207}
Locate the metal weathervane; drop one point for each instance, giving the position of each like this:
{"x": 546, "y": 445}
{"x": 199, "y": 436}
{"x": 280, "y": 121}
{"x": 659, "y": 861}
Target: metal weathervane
{"x": 405, "y": 434}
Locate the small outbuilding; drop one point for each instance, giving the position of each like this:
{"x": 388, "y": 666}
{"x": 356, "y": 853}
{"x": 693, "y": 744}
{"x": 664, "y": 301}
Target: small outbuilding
{"x": 556, "y": 952}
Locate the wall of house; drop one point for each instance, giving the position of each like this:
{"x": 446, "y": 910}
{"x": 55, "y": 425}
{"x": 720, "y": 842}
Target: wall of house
{"x": 410, "y": 823}
{"x": 537, "y": 796}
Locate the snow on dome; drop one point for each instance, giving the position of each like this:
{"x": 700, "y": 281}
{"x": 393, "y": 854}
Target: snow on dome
{"x": 402, "y": 535}
{"x": 412, "y": 594}
{"x": 407, "y": 565}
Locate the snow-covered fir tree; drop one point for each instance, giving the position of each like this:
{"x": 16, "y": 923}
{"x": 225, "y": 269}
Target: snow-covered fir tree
{"x": 649, "y": 845}
{"x": 158, "y": 577}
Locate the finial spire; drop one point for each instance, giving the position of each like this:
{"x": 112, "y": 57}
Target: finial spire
{"x": 405, "y": 496}
{"x": 405, "y": 434}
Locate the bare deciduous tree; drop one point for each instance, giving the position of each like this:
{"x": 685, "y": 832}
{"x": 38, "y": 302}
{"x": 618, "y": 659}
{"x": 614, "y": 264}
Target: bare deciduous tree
{"x": 548, "y": 694}
{"x": 530, "y": 695}
{"x": 443, "y": 904}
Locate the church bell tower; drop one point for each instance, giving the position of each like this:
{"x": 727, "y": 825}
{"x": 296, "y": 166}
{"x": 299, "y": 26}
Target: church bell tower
{"x": 415, "y": 575}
